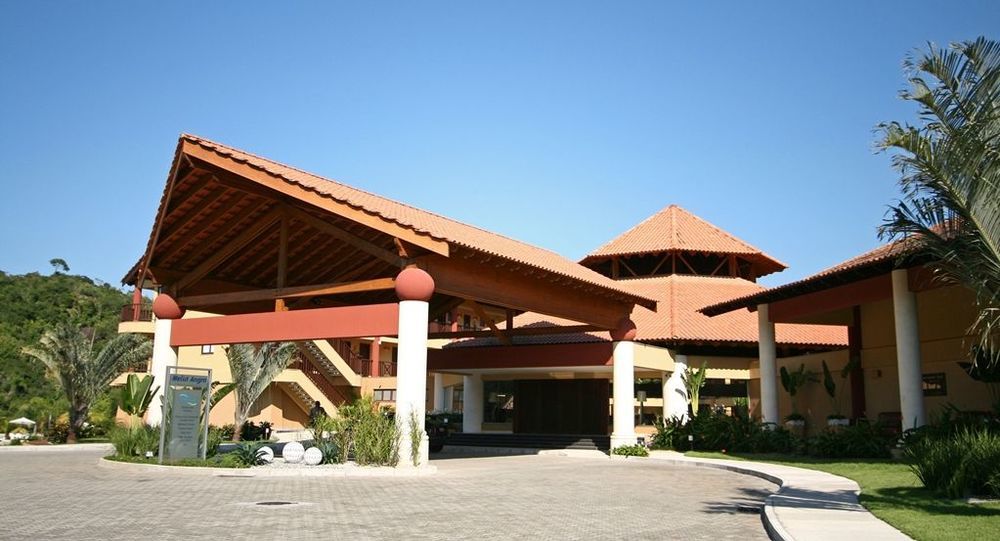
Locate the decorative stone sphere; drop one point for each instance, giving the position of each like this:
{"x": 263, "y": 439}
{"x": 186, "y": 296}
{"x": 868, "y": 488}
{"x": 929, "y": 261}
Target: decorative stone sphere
{"x": 165, "y": 307}
{"x": 266, "y": 454}
{"x": 414, "y": 284}
{"x": 312, "y": 456}
{"x": 624, "y": 331}
{"x": 293, "y": 452}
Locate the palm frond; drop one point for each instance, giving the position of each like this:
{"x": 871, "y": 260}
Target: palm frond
{"x": 949, "y": 174}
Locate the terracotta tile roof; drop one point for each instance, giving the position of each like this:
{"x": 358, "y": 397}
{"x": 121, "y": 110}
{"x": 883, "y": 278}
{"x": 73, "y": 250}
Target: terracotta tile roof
{"x": 424, "y": 222}
{"x": 675, "y": 229}
{"x": 871, "y": 263}
{"x": 677, "y": 318}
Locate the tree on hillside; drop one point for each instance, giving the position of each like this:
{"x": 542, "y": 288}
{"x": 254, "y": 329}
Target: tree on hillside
{"x": 30, "y": 304}
{"x": 253, "y": 367}
{"x": 949, "y": 165}
{"x": 68, "y": 354}
{"x": 59, "y": 265}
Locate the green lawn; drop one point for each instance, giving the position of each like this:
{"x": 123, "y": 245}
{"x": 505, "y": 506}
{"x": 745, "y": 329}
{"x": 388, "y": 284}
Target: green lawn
{"x": 893, "y": 493}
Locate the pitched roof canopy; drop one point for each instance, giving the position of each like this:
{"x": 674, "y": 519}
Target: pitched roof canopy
{"x": 674, "y": 229}
{"x": 219, "y": 196}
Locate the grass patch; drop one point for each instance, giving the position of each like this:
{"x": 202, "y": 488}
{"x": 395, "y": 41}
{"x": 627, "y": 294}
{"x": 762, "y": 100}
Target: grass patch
{"x": 218, "y": 461}
{"x": 892, "y": 492}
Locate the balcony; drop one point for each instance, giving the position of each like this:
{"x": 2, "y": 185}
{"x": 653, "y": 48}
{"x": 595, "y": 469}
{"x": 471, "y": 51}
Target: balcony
{"x": 136, "y": 318}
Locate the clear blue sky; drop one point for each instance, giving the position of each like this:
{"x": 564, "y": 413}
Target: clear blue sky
{"x": 561, "y": 124}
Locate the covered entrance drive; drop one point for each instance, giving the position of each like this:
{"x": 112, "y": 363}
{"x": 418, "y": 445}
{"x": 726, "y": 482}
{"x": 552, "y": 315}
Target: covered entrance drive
{"x": 266, "y": 252}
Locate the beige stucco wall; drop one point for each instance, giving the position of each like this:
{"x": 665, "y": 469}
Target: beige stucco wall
{"x": 944, "y": 316}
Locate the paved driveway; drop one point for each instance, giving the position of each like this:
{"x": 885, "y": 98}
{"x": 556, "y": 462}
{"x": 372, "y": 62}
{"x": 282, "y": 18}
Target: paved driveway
{"x": 63, "y": 495}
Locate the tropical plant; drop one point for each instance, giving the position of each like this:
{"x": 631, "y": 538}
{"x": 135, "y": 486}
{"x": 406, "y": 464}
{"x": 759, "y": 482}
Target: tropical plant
{"x": 630, "y": 450}
{"x": 249, "y": 454}
{"x": 135, "y": 440}
{"x": 986, "y": 369}
{"x": 135, "y": 396}
{"x": 416, "y": 432}
{"x": 253, "y": 367}
{"x": 694, "y": 380}
{"x": 793, "y": 383}
{"x": 830, "y": 386}
{"x": 68, "y": 355}
{"x": 949, "y": 167}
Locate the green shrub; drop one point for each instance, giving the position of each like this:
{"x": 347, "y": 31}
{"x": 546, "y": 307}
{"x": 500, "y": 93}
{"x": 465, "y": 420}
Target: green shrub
{"x": 630, "y": 450}
{"x": 966, "y": 463}
{"x": 862, "y": 440}
{"x": 249, "y": 454}
{"x": 227, "y": 432}
{"x": 135, "y": 441}
{"x": 214, "y": 441}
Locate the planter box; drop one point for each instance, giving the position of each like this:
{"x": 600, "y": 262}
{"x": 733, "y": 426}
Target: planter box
{"x": 838, "y": 422}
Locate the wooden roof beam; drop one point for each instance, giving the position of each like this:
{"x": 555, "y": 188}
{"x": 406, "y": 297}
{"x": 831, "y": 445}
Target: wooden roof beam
{"x": 481, "y": 314}
{"x": 376, "y": 284}
{"x": 325, "y": 203}
{"x": 344, "y": 236}
{"x": 260, "y": 226}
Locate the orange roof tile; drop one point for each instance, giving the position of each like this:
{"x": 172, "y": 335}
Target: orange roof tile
{"x": 870, "y": 263}
{"x": 422, "y": 221}
{"x": 677, "y": 318}
{"x": 675, "y": 229}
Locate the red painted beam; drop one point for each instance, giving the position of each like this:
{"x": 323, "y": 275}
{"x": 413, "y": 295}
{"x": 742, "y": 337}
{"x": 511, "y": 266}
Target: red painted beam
{"x": 550, "y": 355}
{"x": 315, "y": 324}
{"x": 829, "y": 300}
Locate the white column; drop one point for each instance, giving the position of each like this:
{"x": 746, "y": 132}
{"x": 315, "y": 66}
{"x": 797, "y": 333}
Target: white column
{"x": 411, "y": 377}
{"x": 472, "y": 404}
{"x": 439, "y": 392}
{"x": 163, "y": 356}
{"x": 768, "y": 366}
{"x": 623, "y": 393}
{"x": 675, "y": 397}
{"x": 904, "y": 309}
{"x": 449, "y": 397}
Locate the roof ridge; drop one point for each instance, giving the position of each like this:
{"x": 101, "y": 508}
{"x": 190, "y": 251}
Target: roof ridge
{"x": 629, "y": 230}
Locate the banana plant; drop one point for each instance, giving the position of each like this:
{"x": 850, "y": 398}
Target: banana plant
{"x": 135, "y": 396}
{"x": 694, "y": 380}
{"x": 793, "y": 382}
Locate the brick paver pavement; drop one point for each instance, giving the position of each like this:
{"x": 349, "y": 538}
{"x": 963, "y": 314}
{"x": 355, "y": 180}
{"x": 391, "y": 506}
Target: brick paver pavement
{"x": 64, "y": 495}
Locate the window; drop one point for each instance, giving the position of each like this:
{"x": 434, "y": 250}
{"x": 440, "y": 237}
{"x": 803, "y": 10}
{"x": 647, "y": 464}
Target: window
{"x": 207, "y": 349}
{"x": 365, "y": 350}
{"x": 457, "y": 399}
{"x": 384, "y": 395}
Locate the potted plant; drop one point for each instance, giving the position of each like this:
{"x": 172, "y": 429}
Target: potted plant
{"x": 793, "y": 382}
{"x": 835, "y": 419}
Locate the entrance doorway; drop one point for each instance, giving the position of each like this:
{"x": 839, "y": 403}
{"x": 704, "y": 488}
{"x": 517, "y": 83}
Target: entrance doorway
{"x": 562, "y": 406}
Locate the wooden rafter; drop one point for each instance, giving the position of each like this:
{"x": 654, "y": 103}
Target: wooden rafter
{"x": 312, "y": 198}
{"x": 345, "y": 236}
{"x": 193, "y": 214}
{"x": 377, "y": 284}
{"x": 260, "y": 226}
{"x": 234, "y": 224}
{"x": 283, "y": 252}
{"x": 663, "y": 260}
{"x": 686, "y": 264}
{"x": 719, "y": 266}
{"x": 481, "y": 314}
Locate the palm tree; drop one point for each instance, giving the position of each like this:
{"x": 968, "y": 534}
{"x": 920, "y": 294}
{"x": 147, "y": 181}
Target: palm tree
{"x": 253, "y": 367}
{"x": 949, "y": 172}
{"x": 68, "y": 354}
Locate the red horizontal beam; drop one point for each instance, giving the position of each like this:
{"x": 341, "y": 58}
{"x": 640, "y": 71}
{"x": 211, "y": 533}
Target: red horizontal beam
{"x": 295, "y": 325}
{"x": 828, "y": 300}
{"x": 550, "y": 355}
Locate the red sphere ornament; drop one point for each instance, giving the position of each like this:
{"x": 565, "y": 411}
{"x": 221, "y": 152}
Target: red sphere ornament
{"x": 414, "y": 284}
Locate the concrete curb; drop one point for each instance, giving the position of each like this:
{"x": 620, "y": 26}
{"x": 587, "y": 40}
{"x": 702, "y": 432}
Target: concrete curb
{"x": 816, "y": 501}
{"x": 338, "y": 471}
{"x": 57, "y": 448}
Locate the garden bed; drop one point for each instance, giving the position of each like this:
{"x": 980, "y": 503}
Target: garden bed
{"x": 893, "y": 493}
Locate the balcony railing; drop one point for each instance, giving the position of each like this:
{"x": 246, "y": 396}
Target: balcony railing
{"x": 136, "y": 312}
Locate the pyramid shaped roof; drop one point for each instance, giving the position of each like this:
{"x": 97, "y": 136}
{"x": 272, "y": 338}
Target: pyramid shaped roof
{"x": 674, "y": 229}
